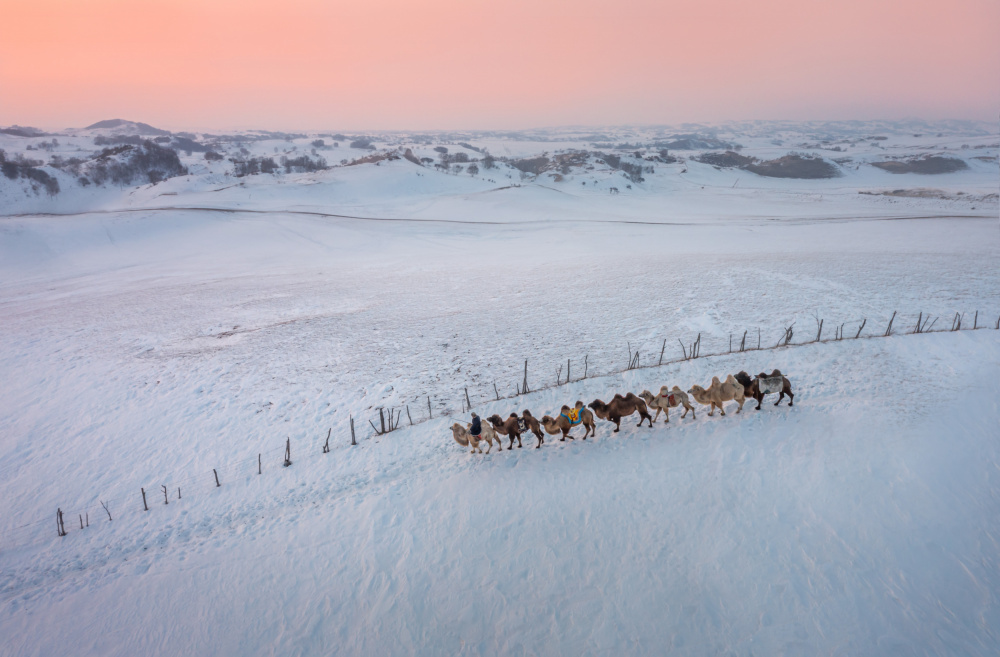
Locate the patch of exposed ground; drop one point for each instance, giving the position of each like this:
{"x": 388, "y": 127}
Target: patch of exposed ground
{"x": 927, "y": 165}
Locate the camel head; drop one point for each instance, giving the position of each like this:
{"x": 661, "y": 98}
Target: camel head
{"x": 697, "y": 391}
{"x": 647, "y": 396}
{"x": 494, "y": 419}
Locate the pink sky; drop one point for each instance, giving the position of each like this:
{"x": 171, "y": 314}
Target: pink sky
{"x": 439, "y": 64}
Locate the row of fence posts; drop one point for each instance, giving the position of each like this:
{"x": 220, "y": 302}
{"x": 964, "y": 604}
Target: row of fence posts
{"x": 692, "y": 351}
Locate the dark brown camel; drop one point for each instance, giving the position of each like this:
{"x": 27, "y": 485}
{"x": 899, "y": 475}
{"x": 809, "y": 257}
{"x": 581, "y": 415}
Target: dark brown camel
{"x": 621, "y": 407}
{"x": 507, "y": 428}
{"x": 531, "y": 422}
{"x": 753, "y": 388}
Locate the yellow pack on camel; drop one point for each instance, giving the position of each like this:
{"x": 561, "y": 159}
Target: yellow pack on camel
{"x": 573, "y": 415}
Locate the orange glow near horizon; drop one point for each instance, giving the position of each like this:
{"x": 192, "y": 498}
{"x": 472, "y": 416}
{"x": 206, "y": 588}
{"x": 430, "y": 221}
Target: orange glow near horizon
{"x": 454, "y": 64}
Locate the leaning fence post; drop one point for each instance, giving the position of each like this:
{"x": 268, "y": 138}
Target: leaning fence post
{"x": 975, "y": 321}
{"x": 144, "y": 506}
{"x": 258, "y": 462}
{"x": 665, "y": 346}
{"x": 858, "y": 334}
{"x": 888, "y": 330}
{"x": 408, "y": 416}
{"x": 467, "y": 402}
{"x": 59, "y": 523}
{"x": 585, "y": 357}
{"x": 819, "y": 333}
{"x": 217, "y": 484}
{"x": 429, "y": 414}
{"x": 567, "y": 370}
{"x": 354, "y": 442}
{"x": 288, "y": 452}
{"x": 497, "y": 392}
{"x": 326, "y": 445}
{"x": 920, "y": 318}
{"x": 81, "y": 521}
{"x": 165, "y": 499}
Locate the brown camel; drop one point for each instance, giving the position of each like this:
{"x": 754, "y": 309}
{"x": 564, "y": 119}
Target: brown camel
{"x": 530, "y": 422}
{"x": 507, "y": 428}
{"x": 564, "y": 423}
{"x": 621, "y": 407}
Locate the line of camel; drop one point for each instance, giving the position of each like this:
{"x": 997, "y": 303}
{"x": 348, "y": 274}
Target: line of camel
{"x": 738, "y": 388}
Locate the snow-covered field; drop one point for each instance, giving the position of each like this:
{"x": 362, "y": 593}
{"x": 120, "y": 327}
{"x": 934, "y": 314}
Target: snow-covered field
{"x": 152, "y": 334}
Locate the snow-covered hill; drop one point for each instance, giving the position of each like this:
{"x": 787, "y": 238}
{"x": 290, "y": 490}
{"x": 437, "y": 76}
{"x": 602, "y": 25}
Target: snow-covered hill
{"x": 160, "y": 332}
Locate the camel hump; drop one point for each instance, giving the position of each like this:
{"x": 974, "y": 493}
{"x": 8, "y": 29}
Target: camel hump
{"x": 579, "y": 404}
{"x": 715, "y": 380}
{"x": 776, "y": 373}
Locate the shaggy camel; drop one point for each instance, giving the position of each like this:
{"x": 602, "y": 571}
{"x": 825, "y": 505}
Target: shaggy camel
{"x": 621, "y": 407}
{"x": 464, "y": 438}
{"x": 718, "y": 393}
{"x": 563, "y": 423}
{"x": 666, "y": 400}
{"x": 529, "y": 421}
{"x": 765, "y": 385}
{"x": 507, "y": 428}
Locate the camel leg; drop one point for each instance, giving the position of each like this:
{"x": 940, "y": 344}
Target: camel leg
{"x": 519, "y": 441}
{"x": 565, "y": 433}
{"x": 511, "y": 444}
{"x": 791, "y": 398}
{"x": 739, "y": 409}
{"x": 645, "y": 416}
{"x": 666, "y": 415}
{"x": 711, "y": 409}
{"x": 618, "y": 423}
{"x": 780, "y": 397}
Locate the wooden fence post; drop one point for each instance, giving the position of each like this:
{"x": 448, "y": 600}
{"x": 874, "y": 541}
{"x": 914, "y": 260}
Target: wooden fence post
{"x": 975, "y": 321}
{"x": 408, "y": 416}
{"x": 430, "y": 415}
{"x": 354, "y": 442}
{"x": 165, "y": 499}
{"x": 467, "y": 401}
{"x": 888, "y": 330}
{"x": 106, "y": 510}
{"x": 567, "y": 370}
{"x": 288, "y": 452}
{"x": 524, "y": 385}
{"x": 858, "y": 334}
{"x": 497, "y": 392}
{"x": 819, "y": 333}
{"x": 60, "y": 529}
{"x": 258, "y": 463}
{"x": 662, "y": 349}
{"x": 586, "y": 357}
{"x": 217, "y": 484}
{"x": 326, "y": 445}
{"x": 144, "y": 506}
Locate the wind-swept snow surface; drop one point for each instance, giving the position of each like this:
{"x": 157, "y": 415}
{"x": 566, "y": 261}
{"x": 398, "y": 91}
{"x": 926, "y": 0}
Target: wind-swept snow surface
{"x": 147, "y": 348}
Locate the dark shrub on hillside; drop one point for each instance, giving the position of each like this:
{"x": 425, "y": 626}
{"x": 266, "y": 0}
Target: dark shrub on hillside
{"x": 795, "y": 166}
{"x": 533, "y": 165}
{"x": 254, "y": 166}
{"x": 363, "y": 143}
{"x": 124, "y": 165}
{"x": 23, "y": 168}
{"x": 212, "y": 156}
{"x": 303, "y": 164}
{"x": 440, "y": 149}
{"x": 726, "y": 160}
{"x": 489, "y": 161}
{"x": 318, "y": 143}
{"x": 931, "y": 164}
